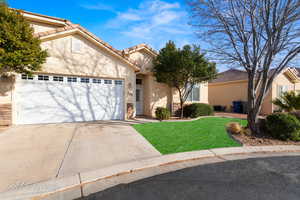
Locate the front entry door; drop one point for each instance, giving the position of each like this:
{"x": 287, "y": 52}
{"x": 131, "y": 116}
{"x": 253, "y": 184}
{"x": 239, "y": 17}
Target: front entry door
{"x": 139, "y": 100}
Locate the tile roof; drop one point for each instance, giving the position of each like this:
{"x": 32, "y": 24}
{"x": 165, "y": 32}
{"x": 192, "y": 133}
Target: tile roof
{"x": 230, "y": 75}
{"x": 238, "y": 75}
{"x": 138, "y": 47}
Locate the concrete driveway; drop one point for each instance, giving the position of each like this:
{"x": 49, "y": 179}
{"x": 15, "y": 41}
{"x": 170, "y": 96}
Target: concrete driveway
{"x": 34, "y": 153}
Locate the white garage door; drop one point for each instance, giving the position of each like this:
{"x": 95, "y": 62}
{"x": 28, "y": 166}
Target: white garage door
{"x": 55, "y": 99}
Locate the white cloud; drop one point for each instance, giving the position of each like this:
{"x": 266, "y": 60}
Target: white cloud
{"x": 150, "y": 18}
{"x": 129, "y": 16}
{"x": 152, "y": 21}
{"x": 98, "y": 6}
{"x": 157, "y": 5}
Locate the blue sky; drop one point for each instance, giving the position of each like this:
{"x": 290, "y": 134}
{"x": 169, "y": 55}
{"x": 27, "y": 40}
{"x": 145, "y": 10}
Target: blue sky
{"x": 122, "y": 23}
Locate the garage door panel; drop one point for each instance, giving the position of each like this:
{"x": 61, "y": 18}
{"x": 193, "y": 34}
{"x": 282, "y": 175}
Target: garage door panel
{"x": 52, "y": 102}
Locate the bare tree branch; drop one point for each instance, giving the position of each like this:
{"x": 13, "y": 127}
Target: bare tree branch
{"x": 262, "y": 36}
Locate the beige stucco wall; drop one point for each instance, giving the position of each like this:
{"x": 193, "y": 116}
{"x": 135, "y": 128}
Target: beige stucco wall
{"x": 225, "y": 93}
{"x": 42, "y": 27}
{"x": 267, "y": 106}
{"x": 297, "y": 87}
{"x": 143, "y": 59}
{"x": 203, "y": 95}
{"x": 282, "y": 80}
{"x": 155, "y": 95}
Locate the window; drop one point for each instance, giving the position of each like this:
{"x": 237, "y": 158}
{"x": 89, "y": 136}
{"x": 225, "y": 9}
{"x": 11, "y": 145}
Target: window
{"x": 97, "y": 81}
{"x": 84, "y": 80}
{"x": 194, "y": 94}
{"x": 43, "y": 78}
{"x": 76, "y": 45}
{"x": 137, "y": 95}
{"x": 118, "y": 82}
{"x": 107, "y": 81}
{"x": 58, "y": 78}
{"x": 72, "y": 79}
{"x": 27, "y": 77}
{"x": 139, "y": 81}
{"x": 281, "y": 89}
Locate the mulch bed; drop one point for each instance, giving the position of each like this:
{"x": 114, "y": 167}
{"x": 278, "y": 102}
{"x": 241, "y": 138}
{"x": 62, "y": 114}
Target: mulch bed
{"x": 261, "y": 140}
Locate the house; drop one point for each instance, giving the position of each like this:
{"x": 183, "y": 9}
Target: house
{"x": 232, "y": 85}
{"x": 85, "y": 79}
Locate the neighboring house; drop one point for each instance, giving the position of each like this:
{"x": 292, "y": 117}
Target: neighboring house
{"x": 85, "y": 79}
{"x": 232, "y": 85}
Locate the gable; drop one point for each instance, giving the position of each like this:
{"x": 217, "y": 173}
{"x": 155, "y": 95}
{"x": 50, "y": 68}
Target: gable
{"x": 78, "y": 30}
{"x": 143, "y": 59}
{"x": 86, "y": 59}
{"x": 51, "y": 28}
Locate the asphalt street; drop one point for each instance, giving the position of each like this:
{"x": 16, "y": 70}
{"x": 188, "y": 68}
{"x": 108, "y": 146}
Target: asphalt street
{"x": 272, "y": 178}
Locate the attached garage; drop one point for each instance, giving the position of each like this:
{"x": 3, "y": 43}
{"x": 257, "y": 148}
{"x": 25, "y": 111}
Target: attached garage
{"x": 83, "y": 79}
{"x": 46, "y": 98}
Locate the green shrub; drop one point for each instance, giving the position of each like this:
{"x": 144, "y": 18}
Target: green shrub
{"x": 162, "y": 113}
{"x": 283, "y": 126}
{"x": 197, "y": 109}
{"x": 296, "y": 114}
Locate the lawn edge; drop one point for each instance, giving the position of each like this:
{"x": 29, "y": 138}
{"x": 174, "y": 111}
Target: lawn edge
{"x": 239, "y": 144}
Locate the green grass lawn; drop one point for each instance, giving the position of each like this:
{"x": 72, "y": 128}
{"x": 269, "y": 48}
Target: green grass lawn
{"x": 174, "y": 137}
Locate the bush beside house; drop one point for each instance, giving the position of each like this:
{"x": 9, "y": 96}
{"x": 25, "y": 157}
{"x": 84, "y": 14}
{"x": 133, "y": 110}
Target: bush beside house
{"x": 197, "y": 110}
{"x": 162, "y": 113}
{"x": 283, "y": 126}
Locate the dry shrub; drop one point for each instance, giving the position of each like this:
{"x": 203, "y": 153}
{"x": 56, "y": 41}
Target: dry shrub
{"x": 234, "y": 128}
{"x": 245, "y": 131}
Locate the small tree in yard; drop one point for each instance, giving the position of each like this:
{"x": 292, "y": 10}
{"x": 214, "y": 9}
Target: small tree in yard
{"x": 20, "y": 51}
{"x": 258, "y": 35}
{"x": 289, "y": 101}
{"x": 182, "y": 69}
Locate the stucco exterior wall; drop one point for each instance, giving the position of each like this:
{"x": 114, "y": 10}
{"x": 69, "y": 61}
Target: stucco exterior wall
{"x": 155, "y": 94}
{"x": 297, "y": 87}
{"x": 143, "y": 59}
{"x": 203, "y": 95}
{"x": 160, "y": 95}
{"x": 267, "y": 106}
{"x": 42, "y": 27}
{"x": 225, "y": 93}
{"x": 281, "y": 80}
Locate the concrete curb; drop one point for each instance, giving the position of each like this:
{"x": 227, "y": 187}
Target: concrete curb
{"x": 83, "y": 184}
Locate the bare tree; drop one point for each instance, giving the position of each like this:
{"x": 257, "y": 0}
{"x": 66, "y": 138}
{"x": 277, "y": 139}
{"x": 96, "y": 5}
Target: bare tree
{"x": 262, "y": 36}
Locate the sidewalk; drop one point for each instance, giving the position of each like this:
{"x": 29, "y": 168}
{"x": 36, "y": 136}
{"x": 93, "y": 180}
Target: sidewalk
{"x": 233, "y": 115}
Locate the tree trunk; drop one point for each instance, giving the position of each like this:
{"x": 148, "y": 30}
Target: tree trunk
{"x": 253, "y": 121}
{"x": 252, "y": 116}
{"x": 181, "y": 108}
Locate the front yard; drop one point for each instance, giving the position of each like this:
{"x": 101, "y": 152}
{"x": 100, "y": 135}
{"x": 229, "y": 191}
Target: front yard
{"x": 174, "y": 137}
